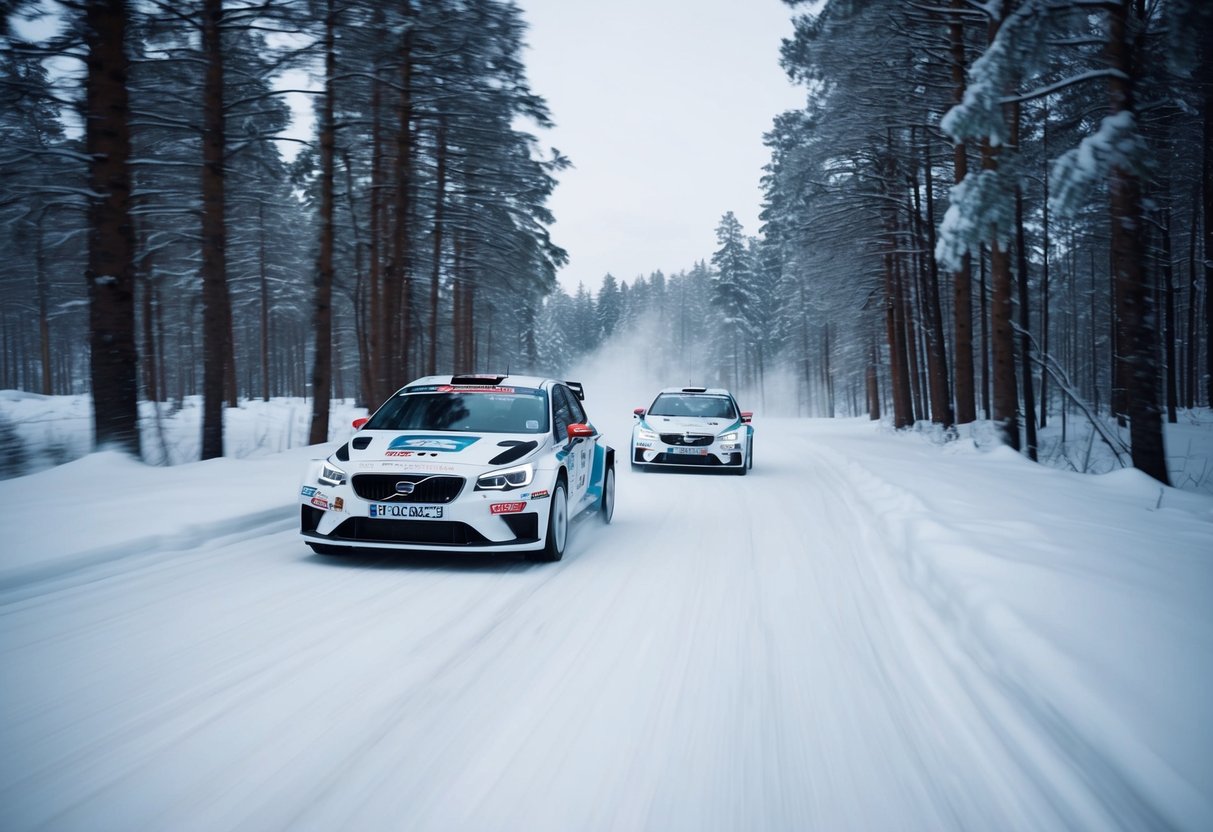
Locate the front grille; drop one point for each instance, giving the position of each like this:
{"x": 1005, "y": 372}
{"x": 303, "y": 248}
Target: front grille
{"x": 410, "y": 532}
{"x": 687, "y": 460}
{"x": 688, "y": 440}
{"x": 427, "y": 488}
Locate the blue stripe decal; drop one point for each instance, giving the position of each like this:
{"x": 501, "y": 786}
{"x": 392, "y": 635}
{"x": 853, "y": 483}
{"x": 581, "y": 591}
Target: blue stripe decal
{"x": 597, "y": 473}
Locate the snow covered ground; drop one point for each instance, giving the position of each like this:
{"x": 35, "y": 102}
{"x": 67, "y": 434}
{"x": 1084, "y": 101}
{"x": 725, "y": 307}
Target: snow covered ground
{"x": 872, "y": 631}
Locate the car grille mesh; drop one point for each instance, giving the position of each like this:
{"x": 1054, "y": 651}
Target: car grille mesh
{"x": 689, "y": 440}
{"x": 427, "y": 488}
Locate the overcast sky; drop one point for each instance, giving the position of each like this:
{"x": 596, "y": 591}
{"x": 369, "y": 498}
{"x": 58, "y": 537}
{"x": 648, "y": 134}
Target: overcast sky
{"x": 661, "y": 106}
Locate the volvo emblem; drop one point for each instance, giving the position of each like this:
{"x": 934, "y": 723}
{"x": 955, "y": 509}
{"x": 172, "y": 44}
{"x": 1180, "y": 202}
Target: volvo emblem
{"x": 405, "y": 487}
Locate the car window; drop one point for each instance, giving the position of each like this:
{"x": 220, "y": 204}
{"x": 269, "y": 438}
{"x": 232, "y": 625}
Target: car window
{"x": 576, "y": 411}
{"x": 506, "y": 411}
{"x": 697, "y": 405}
{"x": 562, "y": 414}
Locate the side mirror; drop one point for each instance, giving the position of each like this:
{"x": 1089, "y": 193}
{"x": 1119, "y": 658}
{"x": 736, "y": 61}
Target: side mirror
{"x": 746, "y": 416}
{"x": 580, "y": 431}
{"x": 358, "y": 423}
{"x": 638, "y": 412}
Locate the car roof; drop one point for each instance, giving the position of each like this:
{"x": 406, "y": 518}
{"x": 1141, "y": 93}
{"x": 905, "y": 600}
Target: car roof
{"x": 691, "y": 391}
{"x": 494, "y": 380}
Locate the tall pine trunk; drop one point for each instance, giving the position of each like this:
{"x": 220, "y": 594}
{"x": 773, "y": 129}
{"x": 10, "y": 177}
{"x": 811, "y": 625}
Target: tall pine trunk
{"x": 1138, "y": 347}
{"x": 431, "y": 364}
{"x": 216, "y": 316}
{"x": 962, "y": 280}
{"x": 322, "y": 317}
{"x": 110, "y": 273}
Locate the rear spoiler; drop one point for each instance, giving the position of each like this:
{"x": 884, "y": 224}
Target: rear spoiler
{"x": 577, "y": 388}
{"x": 477, "y": 379}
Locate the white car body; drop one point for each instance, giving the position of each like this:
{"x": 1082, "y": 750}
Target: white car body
{"x": 462, "y": 463}
{"x": 693, "y": 427}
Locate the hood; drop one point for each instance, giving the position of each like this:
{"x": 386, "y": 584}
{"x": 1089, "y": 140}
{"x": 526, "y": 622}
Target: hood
{"x": 689, "y": 424}
{"x": 426, "y": 449}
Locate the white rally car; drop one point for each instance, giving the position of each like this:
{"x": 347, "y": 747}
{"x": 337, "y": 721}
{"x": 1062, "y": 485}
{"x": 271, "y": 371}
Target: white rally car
{"x": 693, "y": 427}
{"x": 471, "y": 463}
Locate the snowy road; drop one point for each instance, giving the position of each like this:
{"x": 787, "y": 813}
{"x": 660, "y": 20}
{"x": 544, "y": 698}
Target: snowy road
{"x": 809, "y": 647}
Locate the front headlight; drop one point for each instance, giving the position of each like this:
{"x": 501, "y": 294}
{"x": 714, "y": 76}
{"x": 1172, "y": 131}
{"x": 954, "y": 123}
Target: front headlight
{"x": 331, "y": 475}
{"x": 507, "y": 478}
{"x": 731, "y": 436}
{"x": 649, "y": 435}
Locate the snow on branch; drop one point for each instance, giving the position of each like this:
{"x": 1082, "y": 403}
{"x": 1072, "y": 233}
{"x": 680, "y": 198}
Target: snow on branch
{"x": 1116, "y": 144}
{"x": 1018, "y": 50}
{"x": 980, "y": 210}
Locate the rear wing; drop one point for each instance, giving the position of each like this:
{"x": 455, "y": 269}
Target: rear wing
{"x": 577, "y": 389}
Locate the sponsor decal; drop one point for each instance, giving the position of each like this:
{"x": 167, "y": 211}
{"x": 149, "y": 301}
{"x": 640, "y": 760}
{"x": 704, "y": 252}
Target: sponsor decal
{"x": 338, "y": 504}
{"x": 447, "y": 444}
{"x": 308, "y": 491}
{"x": 507, "y": 508}
{"x": 640, "y": 443}
{"x": 451, "y": 388}
{"x": 320, "y": 501}
{"x": 539, "y": 495}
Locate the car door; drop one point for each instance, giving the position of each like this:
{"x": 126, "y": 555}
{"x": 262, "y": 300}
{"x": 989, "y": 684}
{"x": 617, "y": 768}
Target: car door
{"x": 567, "y": 411}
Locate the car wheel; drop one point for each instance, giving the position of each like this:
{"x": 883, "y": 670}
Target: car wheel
{"x": 558, "y": 527}
{"x": 749, "y": 456}
{"x": 607, "y": 507}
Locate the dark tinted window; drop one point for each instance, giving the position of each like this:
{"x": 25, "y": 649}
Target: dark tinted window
{"x": 517, "y": 411}
{"x": 562, "y": 413}
{"x": 684, "y": 404}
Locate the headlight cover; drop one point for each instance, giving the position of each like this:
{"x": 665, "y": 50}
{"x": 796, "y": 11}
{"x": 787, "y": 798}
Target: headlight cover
{"x": 331, "y": 475}
{"x": 728, "y": 441}
{"x": 648, "y": 435}
{"x": 520, "y": 476}
{"x": 731, "y": 436}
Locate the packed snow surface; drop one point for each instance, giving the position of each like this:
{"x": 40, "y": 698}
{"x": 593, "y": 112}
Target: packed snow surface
{"x": 871, "y": 631}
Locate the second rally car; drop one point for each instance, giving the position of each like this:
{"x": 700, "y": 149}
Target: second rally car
{"x": 693, "y": 427}
{"x": 474, "y": 463}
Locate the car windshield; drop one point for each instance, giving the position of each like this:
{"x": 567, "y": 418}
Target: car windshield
{"x": 500, "y": 410}
{"x": 681, "y": 404}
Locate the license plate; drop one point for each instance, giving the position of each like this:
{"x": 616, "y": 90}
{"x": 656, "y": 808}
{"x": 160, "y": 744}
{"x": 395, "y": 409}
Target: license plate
{"x": 691, "y": 451}
{"x": 406, "y": 512}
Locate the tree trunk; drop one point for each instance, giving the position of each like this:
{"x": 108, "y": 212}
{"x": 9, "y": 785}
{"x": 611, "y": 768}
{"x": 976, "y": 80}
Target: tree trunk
{"x": 399, "y": 307}
{"x": 431, "y": 364}
{"x": 1138, "y": 345}
{"x": 1025, "y": 342}
{"x": 962, "y": 280}
{"x": 1005, "y": 398}
{"x": 43, "y": 300}
{"x": 216, "y": 316}
{"x": 1044, "y": 270}
{"x": 110, "y": 273}
{"x": 1168, "y": 288}
{"x": 1206, "y": 76}
{"x": 941, "y": 397}
{"x": 322, "y": 319}
{"x": 1192, "y": 350}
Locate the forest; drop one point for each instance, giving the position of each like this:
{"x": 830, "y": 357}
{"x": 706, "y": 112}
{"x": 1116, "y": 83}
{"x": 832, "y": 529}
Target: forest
{"x": 985, "y": 211}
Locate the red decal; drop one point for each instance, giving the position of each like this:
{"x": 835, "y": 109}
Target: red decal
{"x": 506, "y": 508}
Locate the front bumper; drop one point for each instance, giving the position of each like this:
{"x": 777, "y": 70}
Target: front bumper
{"x": 339, "y": 516}
{"x": 658, "y": 454}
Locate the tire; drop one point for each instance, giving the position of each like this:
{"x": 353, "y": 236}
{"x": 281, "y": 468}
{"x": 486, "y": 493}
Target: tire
{"x": 606, "y": 508}
{"x": 749, "y": 455}
{"x": 558, "y": 527}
